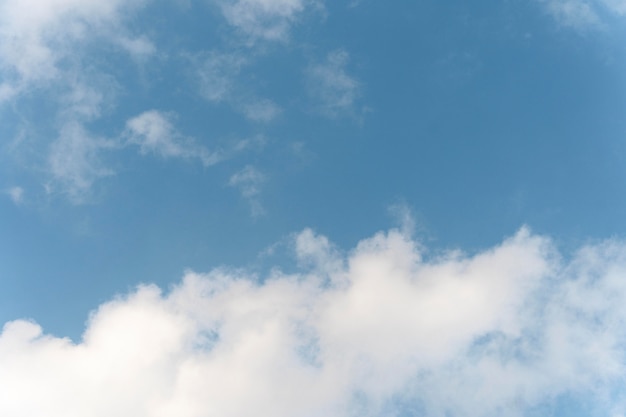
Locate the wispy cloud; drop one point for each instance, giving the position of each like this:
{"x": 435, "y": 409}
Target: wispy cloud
{"x": 334, "y": 91}
{"x": 261, "y": 110}
{"x": 16, "y": 194}
{"x": 217, "y": 73}
{"x": 584, "y": 14}
{"x": 75, "y": 162}
{"x": 372, "y": 333}
{"x": 36, "y": 35}
{"x": 44, "y": 53}
{"x": 249, "y": 182}
{"x": 218, "y": 77}
{"x": 154, "y": 133}
{"x": 267, "y": 20}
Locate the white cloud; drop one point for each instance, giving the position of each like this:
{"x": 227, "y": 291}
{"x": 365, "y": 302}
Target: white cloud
{"x": 35, "y": 35}
{"x": 334, "y": 90}
{"x": 249, "y": 182}
{"x": 496, "y": 333}
{"x": 154, "y": 132}
{"x": 269, "y": 20}
{"x": 74, "y": 161}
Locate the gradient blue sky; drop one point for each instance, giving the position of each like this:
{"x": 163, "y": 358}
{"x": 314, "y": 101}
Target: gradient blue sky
{"x": 142, "y": 139}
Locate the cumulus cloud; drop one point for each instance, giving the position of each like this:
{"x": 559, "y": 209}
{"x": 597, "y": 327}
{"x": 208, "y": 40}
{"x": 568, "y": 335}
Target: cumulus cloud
{"x": 330, "y": 85}
{"x": 75, "y": 161}
{"x": 154, "y": 132}
{"x": 377, "y": 331}
{"x": 249, "y": 182}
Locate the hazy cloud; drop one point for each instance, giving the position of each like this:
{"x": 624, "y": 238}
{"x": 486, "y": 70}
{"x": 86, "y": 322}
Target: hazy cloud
{"x": 75, "y": 163}
{"x": 268, "y": 20}
{"x": 372, "y": 333}
{"x": 218, "y": 78}
{"x": 584, "y": 14}
{"x": 249, "y": 182}
{"x": 217, "y": 73}
{"x": 16, "y": 194}
{"x": 332, "y": 88}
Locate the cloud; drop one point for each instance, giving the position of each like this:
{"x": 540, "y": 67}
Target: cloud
{"x": 36, "y": 35}
{"x": 16, "y": 194}
{"x": 75, "y": 162}
{"x": 47, "y": 54}
{"x": 249, "y": 181}
{"x": 377, "y": 331}
{"x": 262, "y": 110}
{"x": 333, "y": 89}
{"x": 217, "y": 75}
{"x": 575, "y": 13}
{"x": 584, "y": 14}
{"x": 267, "y": 20}
{"x": 154, "y": 132}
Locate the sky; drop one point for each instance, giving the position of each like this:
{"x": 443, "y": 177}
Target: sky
{"x": 305, "y": 208}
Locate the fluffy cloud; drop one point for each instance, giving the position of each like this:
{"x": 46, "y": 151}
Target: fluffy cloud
{"x": 154, "y": 132}
{"x": 380, "y": 330}
{"x": 330, "y": 85}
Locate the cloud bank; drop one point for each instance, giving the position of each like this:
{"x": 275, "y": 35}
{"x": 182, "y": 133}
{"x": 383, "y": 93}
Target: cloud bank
{"x": 382, "y": 330}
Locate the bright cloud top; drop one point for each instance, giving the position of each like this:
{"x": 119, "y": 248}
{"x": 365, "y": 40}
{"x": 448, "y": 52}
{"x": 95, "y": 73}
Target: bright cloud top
{"x": 372, "y": 333}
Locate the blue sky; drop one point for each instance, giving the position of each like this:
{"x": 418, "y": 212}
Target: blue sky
{"x": 367, "y": 208}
